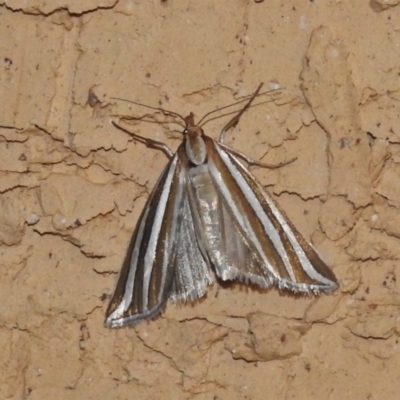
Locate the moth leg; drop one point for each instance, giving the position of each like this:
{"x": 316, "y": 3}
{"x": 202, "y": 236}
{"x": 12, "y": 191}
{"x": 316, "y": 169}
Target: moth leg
{"x": 250, "y": 161}
{"x": 233, "y": 122}
{"x": 147, "y": 142}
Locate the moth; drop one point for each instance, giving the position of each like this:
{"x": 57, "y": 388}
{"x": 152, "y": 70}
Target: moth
{"x": 208, "y": 212}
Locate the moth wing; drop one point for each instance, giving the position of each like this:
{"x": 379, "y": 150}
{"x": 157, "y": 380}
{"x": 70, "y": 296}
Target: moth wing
{"x": 146, "y": 278}
{"x": 258, "y": 242}
{"x": 192, "y": 273}
{"x": 163, "y": 259}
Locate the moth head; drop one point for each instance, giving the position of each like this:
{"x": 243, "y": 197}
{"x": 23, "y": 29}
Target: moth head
{"x": 194, "y": 142}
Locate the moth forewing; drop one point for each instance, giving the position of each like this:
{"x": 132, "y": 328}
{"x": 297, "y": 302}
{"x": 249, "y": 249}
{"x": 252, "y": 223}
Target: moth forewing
{"x": 267, "y": 250}
{"x": 298, "y": 265}
{"x": 238, "y": 224}
{"x": 146, "y": 276}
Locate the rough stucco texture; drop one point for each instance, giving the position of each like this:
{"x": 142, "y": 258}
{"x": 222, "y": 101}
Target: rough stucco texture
{"x": 72, "y": 188}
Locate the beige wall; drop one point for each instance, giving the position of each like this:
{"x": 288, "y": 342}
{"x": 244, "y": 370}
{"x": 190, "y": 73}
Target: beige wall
{"x": 72, "y": 187}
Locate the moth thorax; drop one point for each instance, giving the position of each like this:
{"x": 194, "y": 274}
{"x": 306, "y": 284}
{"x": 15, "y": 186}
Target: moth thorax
{"x": 195, "y": 148}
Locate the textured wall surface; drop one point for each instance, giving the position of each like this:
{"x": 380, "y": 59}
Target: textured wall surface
{"x": 72, "y": 188}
